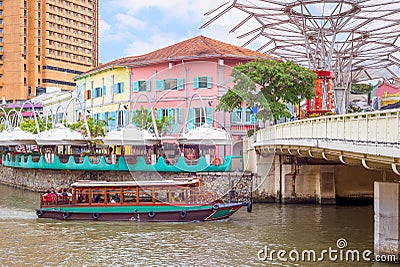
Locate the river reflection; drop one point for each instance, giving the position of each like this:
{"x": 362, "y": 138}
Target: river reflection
{"x": 26, "y": 240}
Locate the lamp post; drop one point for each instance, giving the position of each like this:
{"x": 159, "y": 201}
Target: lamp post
{"x": 299, "y": 98}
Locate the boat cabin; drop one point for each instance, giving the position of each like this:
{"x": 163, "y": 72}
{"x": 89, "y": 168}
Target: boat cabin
{"x": 176, "y": 191}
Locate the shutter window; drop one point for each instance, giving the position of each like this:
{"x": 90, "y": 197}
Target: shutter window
{"x": 196, "y": 83}
{"x": 209, "y": 81}
{"x": 160, "y": 85}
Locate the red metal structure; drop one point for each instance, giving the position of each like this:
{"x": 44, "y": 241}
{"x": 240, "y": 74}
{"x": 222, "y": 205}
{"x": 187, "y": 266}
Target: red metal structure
{"x": 323, "y": 100}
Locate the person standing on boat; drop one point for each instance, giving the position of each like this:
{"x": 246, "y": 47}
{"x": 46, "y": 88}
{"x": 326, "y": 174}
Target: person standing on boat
{"x": 96, "y": 198}
{"x": 117, "y": 199}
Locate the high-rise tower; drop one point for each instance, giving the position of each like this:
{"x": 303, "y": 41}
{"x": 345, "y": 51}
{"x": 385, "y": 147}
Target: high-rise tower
{"x": 45, "y": 43}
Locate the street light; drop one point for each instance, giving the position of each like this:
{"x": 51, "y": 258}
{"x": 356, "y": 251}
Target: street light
{"x": 299, "y": 98}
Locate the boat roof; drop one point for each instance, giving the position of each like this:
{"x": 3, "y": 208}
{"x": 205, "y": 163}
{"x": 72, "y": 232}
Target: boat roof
{"x": 174, "y": 182}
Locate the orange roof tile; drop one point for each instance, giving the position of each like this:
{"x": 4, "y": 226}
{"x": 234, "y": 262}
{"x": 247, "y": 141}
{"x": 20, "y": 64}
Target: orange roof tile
{"x": 199, "y": 47}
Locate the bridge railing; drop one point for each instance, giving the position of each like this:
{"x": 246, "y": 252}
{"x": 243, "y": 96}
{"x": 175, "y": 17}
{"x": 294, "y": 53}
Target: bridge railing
{"x": 380, "y": 127}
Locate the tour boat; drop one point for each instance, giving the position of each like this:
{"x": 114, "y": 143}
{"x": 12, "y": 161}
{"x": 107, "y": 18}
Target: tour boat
{"x": 176, "y": 200}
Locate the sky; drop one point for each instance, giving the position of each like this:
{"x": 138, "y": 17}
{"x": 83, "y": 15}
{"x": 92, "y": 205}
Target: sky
{"x": 136, "y": 27}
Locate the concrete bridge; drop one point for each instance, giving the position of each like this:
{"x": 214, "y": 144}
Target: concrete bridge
{"x": 332, "y": 159}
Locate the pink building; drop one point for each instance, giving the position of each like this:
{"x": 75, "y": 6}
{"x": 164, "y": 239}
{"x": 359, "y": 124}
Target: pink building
{"x": 386, "y": 88}
{"x": 183, "y": 80}
{"x": 176, "y": 78}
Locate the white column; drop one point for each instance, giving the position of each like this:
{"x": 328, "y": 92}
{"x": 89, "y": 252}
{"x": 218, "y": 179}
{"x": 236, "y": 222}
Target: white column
{"x": 387, "y": 223}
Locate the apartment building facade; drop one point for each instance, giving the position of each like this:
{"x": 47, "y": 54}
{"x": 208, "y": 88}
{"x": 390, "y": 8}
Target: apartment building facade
{"x": 45, "y": 43}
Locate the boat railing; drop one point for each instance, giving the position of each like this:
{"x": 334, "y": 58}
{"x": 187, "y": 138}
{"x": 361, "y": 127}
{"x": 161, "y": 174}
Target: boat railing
{"x": 50, "y": 200}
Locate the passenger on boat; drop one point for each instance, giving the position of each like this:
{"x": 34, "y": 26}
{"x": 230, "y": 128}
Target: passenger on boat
{"x": 96, "y": 198}
{"x": 49, "y": 197}
{"x": 64, "y": 192}
{"x": 113, "y": 200}
{"x": 117, "y": 199}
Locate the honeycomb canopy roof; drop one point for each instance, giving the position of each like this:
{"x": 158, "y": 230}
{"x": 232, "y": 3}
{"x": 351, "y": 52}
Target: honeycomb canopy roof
{"x": 355, "y": 38}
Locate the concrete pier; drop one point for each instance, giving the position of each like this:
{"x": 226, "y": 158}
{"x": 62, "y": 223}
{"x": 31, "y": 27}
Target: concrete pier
{"x": 325, "y": 187}
{"x": 387, "y": 219}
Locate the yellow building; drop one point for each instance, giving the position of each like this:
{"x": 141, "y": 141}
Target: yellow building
{"x": 104, "y": 92}
{"x": 45, "y": 43}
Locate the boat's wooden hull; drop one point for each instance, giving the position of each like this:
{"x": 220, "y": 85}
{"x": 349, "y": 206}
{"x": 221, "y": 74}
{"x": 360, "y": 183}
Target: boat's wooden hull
{"x": 143, "y": 213}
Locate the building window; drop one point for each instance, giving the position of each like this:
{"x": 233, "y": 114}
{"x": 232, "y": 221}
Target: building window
{"x": 118, "y": 88}
{"x": 243, "y": 116}
{"x": 1, "y": 21}
{"x": 169, "y": 84}
{"x": 99, "y": 91}
{"x": 202, "y": 82}
{"x": 141, "y": 86}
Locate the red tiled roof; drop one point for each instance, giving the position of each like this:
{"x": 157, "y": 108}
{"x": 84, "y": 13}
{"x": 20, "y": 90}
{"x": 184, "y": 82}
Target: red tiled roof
{"x": 388, "y": 88}
{"x": 199, "y": 47}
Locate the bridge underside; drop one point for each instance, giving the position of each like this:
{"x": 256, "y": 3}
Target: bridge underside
{"x": 321, "y": 156}
{"x": 302, "y": 174}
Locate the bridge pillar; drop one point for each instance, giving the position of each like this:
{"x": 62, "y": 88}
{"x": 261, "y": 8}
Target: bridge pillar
{"x": 325, "y": 186}
{"x": 265, "y": 181}
{"x": 387, "y": 219}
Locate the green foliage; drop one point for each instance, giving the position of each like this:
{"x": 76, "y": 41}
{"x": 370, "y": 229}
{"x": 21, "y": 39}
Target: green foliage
{"x": 96, "y": 127}
{"x": 142, "y": 119}
{"x": 353, "y": 109}
{"x": 29, "y": 125}
{"x": 361, "y": 88}
{"x": 269, "y": 85}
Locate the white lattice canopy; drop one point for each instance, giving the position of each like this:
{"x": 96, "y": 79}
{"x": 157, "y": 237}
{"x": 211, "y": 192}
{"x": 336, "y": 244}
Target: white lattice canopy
{"x": 356, "y": 39}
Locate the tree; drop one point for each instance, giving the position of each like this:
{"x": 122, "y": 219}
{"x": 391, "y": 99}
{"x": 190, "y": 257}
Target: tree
{"x": 96, "y": 127}
{"x": 29, "y": 125}
{"x": 142, "y": 118}
{"x": 268, "y": 85}
{"x": 361, "y": 88}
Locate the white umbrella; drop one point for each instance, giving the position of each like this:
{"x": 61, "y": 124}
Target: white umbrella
{"x": 61, "y": 135}
{"x": 129, "y": 135}
{"x": 5, "y": 138}
{"x": 20, "y": 137}
{"x": 206, "y": 135}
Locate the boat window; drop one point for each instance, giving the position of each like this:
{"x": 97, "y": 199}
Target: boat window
{"x": 98, "y": 195}
{"x": 113, "y": 195}
{"x": 194, "y": 195}
{"x": 82, "y": 195}
{"x": 129, "y": 195}
{"x": 178, "y": 194}
{"x": 145, "y": 194}
{"x": 161, "y": 194}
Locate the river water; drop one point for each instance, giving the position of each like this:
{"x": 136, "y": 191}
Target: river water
{"x": 240, "y": 241}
